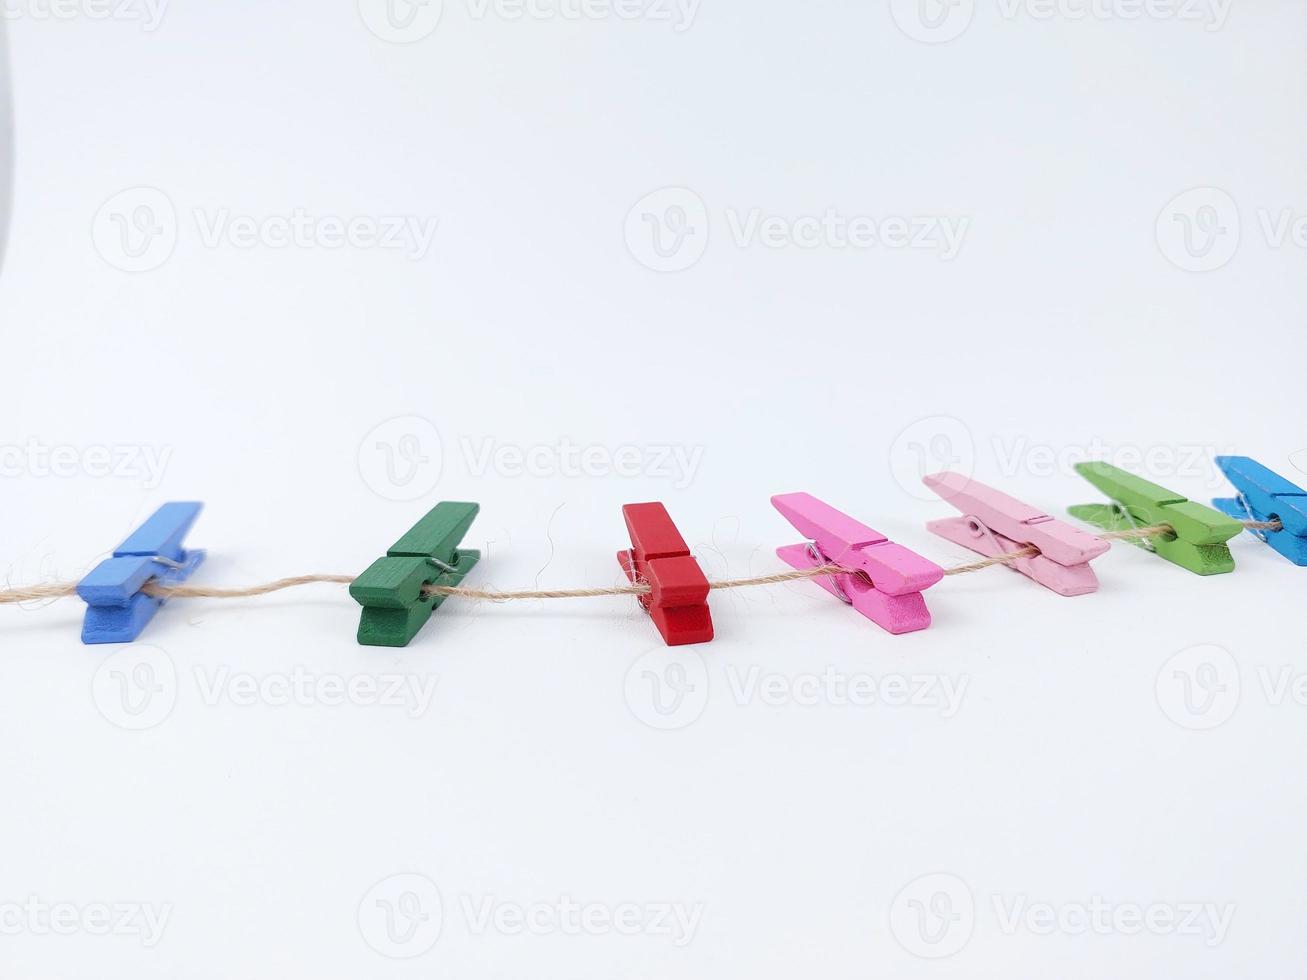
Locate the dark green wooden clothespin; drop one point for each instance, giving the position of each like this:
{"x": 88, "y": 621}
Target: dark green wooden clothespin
{"x": 391, "y": 590}
{"x": 1198, "y": 543}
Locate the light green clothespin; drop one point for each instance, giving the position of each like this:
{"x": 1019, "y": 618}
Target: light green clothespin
{"x": 1200, "y": 533}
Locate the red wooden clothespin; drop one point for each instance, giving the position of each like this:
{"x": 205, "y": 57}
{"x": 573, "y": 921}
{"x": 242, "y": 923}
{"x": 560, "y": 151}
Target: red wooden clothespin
{"x": 678, "y": 602}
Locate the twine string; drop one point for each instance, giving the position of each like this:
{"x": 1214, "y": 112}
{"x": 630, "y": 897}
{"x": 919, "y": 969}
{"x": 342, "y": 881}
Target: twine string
{"x": 1123, "y": 512}
{"x": 1029, "y": 551}
{"x": 837, "y": 587}
{"x": 59, "y": 590}
{"x": 1252, "y": 521}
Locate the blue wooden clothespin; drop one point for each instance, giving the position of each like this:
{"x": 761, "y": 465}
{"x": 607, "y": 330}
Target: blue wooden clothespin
{"x": 117, "y": 610}
{"x": 1267, "y": 496}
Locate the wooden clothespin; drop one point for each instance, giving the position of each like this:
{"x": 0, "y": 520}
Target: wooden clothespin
{"x": 1199, "y": 533}
{"x": 391, "y": 591}
{"x": 116, "y": 608}
{"x": 678, "y": 602}
{"x": 886, "y": 580}
{"x": 996, "y": 525}
{"x": 1266, "y": 496}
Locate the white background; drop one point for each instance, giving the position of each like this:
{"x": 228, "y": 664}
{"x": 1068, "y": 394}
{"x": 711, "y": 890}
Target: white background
{"x": 320, "y": 395}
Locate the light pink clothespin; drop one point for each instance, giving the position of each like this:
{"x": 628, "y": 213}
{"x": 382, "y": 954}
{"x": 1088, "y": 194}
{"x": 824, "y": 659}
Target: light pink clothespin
{"x": 887, "y": 589}
{"x": 996, "y": 524}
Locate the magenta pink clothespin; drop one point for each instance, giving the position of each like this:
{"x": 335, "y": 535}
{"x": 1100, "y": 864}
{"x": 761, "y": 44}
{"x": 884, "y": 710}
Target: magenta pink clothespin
{"x": 887, "y": 578}
{"x": 996, "y": 524}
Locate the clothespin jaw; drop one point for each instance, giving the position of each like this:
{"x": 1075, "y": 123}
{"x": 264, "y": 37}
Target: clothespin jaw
{"x": 117, "y": 611}
{"x": 678, "y": 602}
{"x": 1264, "y": 495}
{"x": 996, "y": 525}
{"x": 885, "y": 581}
{"x": 391, "y": 591}
{"x": 1199, "y": 537}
